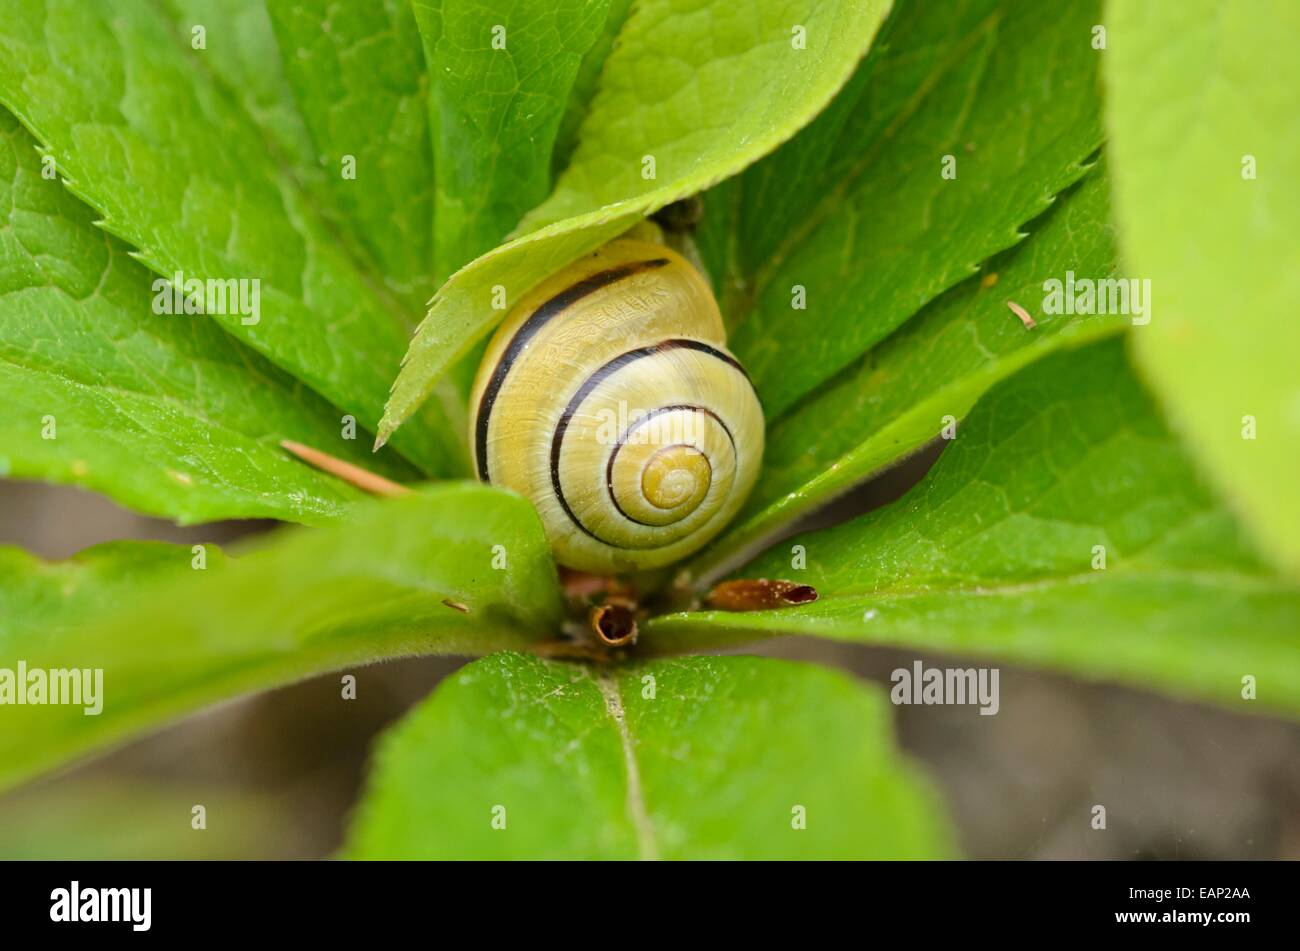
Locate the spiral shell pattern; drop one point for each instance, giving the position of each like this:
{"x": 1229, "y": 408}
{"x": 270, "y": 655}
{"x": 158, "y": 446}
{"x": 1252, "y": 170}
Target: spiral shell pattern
{"x": 609, "y": 400}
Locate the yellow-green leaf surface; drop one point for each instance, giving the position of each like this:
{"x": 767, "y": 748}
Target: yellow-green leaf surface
{"x": 690, "y": 758}
{"x": 146, "y": 135}
{"x": 166, "y": 414}
{"x": 704, "y": 88}
{"x": 1063, "y": 527}
{"x": 1202, "y": 110}
{"x": 171, "y": 638}
{"x": 900, "y": 396}
{"x": 502, "y": 73}
{"x": 358, "y": 79}
{"x": 964, "y": 122}
{"x": 247, "y": 61}
{"x": 586, "y": 80}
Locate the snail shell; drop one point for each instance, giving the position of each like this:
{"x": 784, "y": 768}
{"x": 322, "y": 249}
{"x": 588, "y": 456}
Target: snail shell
{"x": 608, "y": 399}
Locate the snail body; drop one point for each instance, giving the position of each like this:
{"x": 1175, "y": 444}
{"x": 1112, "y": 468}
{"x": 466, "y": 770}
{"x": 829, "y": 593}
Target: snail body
{"x": 608, "y": 399}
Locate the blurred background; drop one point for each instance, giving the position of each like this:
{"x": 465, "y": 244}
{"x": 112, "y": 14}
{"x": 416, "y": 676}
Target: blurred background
{"x": 278, "y": 773}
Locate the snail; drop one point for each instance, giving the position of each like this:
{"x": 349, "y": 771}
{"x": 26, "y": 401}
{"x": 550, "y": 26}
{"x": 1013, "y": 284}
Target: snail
{"x": 608, "y": 399}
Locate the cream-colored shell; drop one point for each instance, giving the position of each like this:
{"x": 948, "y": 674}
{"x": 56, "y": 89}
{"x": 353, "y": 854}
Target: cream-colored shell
{"x": 608, "y": 399}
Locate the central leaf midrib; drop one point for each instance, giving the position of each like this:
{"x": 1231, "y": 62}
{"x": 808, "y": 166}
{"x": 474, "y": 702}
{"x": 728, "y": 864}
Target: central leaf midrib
{"x": 647, "y": 848}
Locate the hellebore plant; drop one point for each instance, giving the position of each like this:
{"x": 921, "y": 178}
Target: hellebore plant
{"x": 889, "y": 196}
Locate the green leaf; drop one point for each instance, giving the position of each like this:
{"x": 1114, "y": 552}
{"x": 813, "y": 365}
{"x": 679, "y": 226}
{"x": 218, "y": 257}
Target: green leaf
{"x": 497, "y": 102}
{"x": 246, "y": 60}
{"x": 896, "y": 399}
{"x": 857, "y": 211}
{"x": 706, "y": 94}
{"x": 682, "y": 79}
{"x": 121, "y": 100}
{"x": 357, "y": 72}
{"x": 995, "y": 553}
{"x": 585, "y": 83}
{"x": 168, "y": 415}
{"x": 1202, "y": 114}
{"x": 702, "y": 758}
{"x": 171, "y": 639}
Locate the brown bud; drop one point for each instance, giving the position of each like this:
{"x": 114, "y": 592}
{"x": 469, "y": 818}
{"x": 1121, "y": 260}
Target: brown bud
{"x": 614, "y": 622}
{"x": 759, "y": 594}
